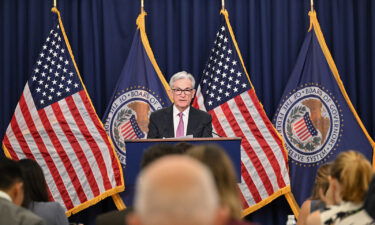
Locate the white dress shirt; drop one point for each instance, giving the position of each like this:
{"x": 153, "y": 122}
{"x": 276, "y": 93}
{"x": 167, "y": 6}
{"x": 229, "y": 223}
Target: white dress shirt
{"x": 5, "y": 196}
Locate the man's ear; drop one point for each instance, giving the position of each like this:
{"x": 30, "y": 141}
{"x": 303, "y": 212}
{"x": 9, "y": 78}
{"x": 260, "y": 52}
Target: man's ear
{"x": 222, "y": 216}
{"x": 17, "y": 193}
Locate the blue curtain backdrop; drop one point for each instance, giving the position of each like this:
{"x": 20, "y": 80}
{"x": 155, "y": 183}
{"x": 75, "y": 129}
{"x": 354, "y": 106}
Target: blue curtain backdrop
{"x": 269, "y": 34}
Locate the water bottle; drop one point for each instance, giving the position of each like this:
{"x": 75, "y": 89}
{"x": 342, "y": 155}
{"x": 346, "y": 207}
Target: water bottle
{"x": 291, "y": 220}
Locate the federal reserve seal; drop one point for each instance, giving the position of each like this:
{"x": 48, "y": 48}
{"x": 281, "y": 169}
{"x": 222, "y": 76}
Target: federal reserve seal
{"x": 309, "y": 119}
{"x": 128, "y": 117}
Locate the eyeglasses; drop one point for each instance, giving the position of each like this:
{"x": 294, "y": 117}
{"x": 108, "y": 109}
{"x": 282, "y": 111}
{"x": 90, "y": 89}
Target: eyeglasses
{"x": 185, "y": 91}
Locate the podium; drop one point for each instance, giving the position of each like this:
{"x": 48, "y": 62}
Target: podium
{"x": 136, "y": 147}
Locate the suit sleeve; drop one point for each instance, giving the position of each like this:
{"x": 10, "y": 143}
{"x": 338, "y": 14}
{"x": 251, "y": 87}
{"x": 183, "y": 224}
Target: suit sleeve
{"x": 60, "y": 217}
{"x": 41, "y": 222}
{"x": 207, "y": 127}
{"x": 152, "y": 128}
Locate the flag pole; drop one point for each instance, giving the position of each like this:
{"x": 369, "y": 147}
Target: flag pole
{"x": 142, "y": 5}
{"x": 222, "y": 4}
{"x": 54, "y": 3}
{"x": 312, "y": 5}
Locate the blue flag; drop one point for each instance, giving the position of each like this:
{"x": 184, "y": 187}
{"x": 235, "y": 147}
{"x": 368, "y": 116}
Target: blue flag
{"x": 315, "y": 115}
{"x": 141, "y": 89}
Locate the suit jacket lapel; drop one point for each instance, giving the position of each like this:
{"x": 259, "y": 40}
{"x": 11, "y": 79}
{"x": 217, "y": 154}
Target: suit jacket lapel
{"x": 168, "y": 119}
{"x": 192, "y": 120}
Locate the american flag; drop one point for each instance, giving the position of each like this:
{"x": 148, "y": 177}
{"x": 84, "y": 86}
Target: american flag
{"x": 226, "y": 93}
{"x": 55, "y": 124}
{"x": 131, "y": 130}
{"x": 304, "y": 129}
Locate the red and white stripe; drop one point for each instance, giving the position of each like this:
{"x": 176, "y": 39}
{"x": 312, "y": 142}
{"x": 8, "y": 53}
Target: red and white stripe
{"x": 127, "y": 131}
{"x": 301, "y": 129}
{"x": 69, "y": 143}
{"x": 263, "y": 160}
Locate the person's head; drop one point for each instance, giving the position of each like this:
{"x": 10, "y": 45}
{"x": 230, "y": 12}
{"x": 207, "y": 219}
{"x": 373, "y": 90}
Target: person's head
{"x": 157, "y": 151}
{"x": 11, "y": 180}
{"x": 182, "y": 89}
{"x": 35, "y": 182}
{"x": 350, "y": 176}
{"x": 321, "y": 181}
{"x": 176, "y": 190}
{"x": 183, "y": 146}
{"x": 224, "y": 175}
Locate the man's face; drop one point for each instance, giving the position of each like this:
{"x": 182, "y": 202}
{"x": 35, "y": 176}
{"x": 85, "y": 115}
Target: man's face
{"x": 182, "y": 93}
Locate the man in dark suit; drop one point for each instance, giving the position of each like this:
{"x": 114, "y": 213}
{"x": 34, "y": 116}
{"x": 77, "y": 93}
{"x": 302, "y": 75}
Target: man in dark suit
{"x": 180, "y": 119}
{"x": 11, "y": 196}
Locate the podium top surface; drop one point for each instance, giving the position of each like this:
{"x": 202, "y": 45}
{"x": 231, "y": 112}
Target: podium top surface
{"x": 183, "y": 139}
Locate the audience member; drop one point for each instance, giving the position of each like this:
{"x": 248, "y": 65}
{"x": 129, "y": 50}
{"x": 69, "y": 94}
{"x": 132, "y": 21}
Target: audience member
{"x": 157, "y": 151}
{"x": 177, "y": 190}
{"x": 36, "y": 194}
{"x": 370, "y": 199}
{"x": 183, "y": 147}
{"x": 114, "y": 217}
{"x": 151, "y": 154}
{"x": 316, "y": 202}
{"x": 11, "y": 196}
{"x": 224, "y": 175}
{"x": 349, "y": 181}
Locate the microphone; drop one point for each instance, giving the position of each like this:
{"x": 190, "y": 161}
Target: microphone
{"x": 216, "y": 134}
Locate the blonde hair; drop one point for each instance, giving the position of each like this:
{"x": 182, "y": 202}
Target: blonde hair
{"x": 321, "y": 181}
{"x": 224, "y": 175}
{"x": 353, "y": 171}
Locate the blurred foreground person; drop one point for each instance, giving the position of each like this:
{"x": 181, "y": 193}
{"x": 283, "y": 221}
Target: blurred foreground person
{"x": 11, "y": 196}
{"x": 224, "y": 174}
{"x": 157, "y": 151}
{"x": 349, "y": 181}
{"x": 151, "y": 154}
{"x": 36, "y": 194}
{"x": 177, "y": 190}
{"x": 316, "y": 202}
{"x": 370, "y": 199}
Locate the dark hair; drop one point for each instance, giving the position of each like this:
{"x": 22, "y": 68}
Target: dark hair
{"x": 10, "y": 173}
{"x": 219, "y": 163}
{"x": 370, "y": 199}
{"x": 182, "y": 147}
{"x": 34, "y": 181}
{"x": 157, "y": 151}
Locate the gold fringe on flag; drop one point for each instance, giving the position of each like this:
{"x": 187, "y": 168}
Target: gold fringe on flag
{"x": 283, "y": 191}
{"x": 314, "y": 23}
{"x": 113, "y": 191}
{"x": 146, "y": 45}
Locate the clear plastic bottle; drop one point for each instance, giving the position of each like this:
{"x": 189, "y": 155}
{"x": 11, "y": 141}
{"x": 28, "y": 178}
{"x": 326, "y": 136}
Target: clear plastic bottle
{"x": 291, "y": 220}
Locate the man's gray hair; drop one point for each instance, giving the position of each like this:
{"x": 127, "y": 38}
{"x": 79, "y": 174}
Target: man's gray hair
{"x": 176, "y": 190}
{"x": 182, "y": 75}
